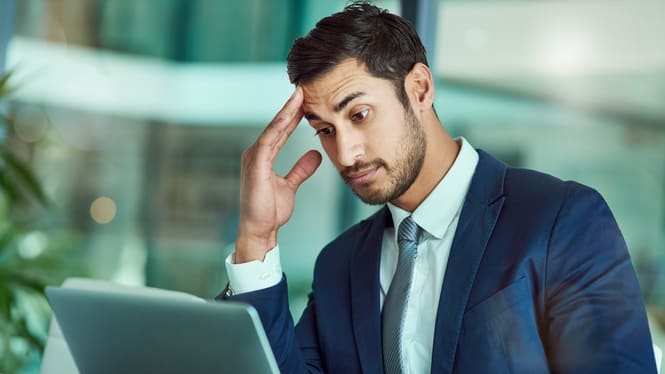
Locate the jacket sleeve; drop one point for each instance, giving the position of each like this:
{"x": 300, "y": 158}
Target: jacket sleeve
{"x": 273, "y": 308}
{"x": 596, "y": 319}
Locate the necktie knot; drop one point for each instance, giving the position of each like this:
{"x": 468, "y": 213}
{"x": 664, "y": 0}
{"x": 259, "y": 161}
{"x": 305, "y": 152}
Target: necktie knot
{"x": 408, "y": 233}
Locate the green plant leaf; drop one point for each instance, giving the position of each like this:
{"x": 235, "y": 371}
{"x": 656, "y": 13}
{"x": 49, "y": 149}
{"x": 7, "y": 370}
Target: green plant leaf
{"x": 27, "y": 177}
{"x": 8, "y": 235}
{"x": 24, "y": 331}
{"x": 6, "y": 302}
{"x": 10, "y": 189}
{"x": 5, "y": 90}
{"x": 27, "y": 281}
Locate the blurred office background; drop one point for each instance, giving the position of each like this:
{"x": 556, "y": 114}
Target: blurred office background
{"x": 134, "y": 114}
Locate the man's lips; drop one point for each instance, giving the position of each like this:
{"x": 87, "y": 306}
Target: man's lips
{"x": 361, "y": 177}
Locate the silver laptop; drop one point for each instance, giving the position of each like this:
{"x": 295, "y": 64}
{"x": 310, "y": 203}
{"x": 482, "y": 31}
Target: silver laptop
{"x": 115, "y": 332}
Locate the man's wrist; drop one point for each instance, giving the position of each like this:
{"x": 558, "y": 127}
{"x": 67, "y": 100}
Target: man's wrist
{"x": 253, "y": 248}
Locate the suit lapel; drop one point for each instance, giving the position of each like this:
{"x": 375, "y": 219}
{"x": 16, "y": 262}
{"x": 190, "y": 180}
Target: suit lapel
{"x": 477, "y": 220}
{"x": 366, "y": 314}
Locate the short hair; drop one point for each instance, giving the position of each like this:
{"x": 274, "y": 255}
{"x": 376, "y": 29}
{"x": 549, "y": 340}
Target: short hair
{"x": 386, "y": 44}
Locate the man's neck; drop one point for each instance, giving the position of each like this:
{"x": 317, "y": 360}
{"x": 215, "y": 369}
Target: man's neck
{"x": 440, "y": 155}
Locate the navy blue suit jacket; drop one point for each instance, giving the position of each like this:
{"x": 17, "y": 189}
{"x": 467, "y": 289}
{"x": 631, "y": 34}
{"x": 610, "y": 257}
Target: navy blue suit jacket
{"x": 538, "y": 279}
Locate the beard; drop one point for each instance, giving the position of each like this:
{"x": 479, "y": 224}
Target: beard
{"x": 401, "y": 174}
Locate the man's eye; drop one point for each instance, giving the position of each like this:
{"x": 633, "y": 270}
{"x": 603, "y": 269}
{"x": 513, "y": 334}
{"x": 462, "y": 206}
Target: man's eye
{"x": 325, "y": 131}
{"x": 360, "y": 115}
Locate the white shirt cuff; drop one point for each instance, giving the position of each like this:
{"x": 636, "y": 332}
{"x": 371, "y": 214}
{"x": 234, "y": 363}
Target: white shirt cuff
{"x": 254, "y": 275}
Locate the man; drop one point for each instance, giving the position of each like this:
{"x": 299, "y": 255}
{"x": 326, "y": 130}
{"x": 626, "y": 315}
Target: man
{"x": 471, "y": 266}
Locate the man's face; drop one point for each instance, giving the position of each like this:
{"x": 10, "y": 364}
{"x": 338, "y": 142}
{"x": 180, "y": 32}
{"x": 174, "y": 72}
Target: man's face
{"x": 376, "y": 144}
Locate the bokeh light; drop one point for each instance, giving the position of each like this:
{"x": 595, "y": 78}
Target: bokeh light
{"x": 103, "y": 210}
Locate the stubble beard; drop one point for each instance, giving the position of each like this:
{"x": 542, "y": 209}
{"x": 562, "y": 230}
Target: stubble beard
{"x": 403, "y": 173}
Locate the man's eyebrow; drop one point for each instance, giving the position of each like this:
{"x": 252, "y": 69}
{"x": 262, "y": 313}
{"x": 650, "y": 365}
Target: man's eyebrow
{"x": 345, "y": 101}
{"x": 337, "y": 108}
{"x": 312, "y": 117}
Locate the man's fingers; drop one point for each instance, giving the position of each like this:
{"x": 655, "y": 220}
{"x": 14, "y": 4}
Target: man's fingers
{"x": 286, "y": 134}
{"x": 303, "y": 169}
{"x": 287, "y": 117}
{"x": 278, "y": 131}
{"x": 290, "y": 109}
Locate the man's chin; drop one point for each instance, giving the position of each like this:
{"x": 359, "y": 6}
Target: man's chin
{"x": 371, "y": 197}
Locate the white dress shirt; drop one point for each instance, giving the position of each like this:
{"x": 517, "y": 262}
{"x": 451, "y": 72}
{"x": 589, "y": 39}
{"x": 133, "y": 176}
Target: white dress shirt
{"x": 438, "y": 216}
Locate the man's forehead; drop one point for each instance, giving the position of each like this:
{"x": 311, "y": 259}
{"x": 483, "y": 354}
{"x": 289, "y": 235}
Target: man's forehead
{"x": 333, "y": 87}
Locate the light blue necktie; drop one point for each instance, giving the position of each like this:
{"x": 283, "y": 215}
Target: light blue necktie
{"x": 394, "y": 307}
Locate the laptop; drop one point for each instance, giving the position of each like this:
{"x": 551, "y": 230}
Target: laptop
{"x": 116, "y": 332}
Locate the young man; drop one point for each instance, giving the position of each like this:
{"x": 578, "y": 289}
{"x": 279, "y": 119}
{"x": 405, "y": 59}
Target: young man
{"x": 470, "y": 267}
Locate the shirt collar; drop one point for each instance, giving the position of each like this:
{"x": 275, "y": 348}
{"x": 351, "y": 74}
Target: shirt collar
{"x": 440, "y": 207}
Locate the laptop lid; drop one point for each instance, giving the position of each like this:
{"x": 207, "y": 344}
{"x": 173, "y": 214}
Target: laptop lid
{"x": 114, "y": 332}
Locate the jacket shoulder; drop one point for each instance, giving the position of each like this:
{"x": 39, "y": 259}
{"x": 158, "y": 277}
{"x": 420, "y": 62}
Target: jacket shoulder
{"x": 527, "y": 184}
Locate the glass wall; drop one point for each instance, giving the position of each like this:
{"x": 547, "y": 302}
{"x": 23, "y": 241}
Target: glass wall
{"x": 134, "y": 115}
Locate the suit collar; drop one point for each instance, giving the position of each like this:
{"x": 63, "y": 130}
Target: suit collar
{"x": 477, "y": 220}
{"x": 365, "y": 308}
{"x": 439, "y": 208}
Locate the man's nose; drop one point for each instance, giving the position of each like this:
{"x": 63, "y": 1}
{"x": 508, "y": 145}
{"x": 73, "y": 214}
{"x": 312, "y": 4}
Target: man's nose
{"x": 349, "y": 147}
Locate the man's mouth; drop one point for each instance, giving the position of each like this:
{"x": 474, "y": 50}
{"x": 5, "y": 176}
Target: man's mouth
{"x": 361, "y": 177}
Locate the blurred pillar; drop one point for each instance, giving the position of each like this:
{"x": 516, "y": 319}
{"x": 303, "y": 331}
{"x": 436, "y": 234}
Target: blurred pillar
{"x": 424, "y": 16}
{"x": 6, "y": 26}
{"x": 182, "y": 21}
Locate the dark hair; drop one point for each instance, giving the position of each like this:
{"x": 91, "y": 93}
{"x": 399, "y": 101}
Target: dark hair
{"x": 386, "y": 44}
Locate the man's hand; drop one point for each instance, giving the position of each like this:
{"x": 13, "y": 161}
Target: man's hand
{"x": 266, "y": 199}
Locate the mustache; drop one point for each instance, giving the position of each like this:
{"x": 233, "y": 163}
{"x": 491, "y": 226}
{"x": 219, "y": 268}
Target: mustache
{"x": 363, "y": 165}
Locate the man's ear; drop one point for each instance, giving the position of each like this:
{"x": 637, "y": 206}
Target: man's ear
{"x": 419, "y": 87}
